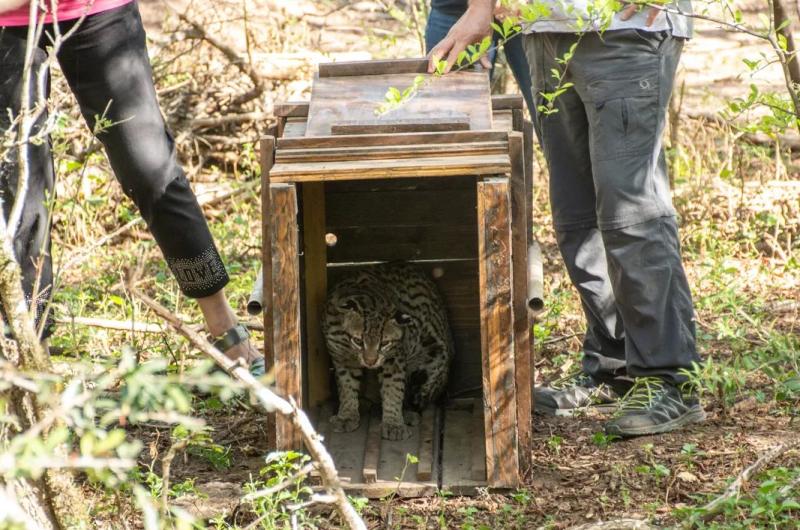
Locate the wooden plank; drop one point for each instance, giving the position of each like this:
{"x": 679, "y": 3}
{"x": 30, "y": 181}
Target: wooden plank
{"x": 316, "y": 287}
{"x": 507, "y": 101}
{"x": 293, "y": 128}
{"x": 287, "y": 330}
{"x": 458, "y": 451}
{"x": 503, "y": 120}
{"x": 379, "y": 67}
{"x": 478, "y": 456}
{"x": 372, "y": 448}
{"x": 522, "y": 324}
{"x": 426, "y": 442}
{"x": 291, "y": 109}
{"x": 365, "y": 140}
{"x": 497, "y": 332}
{"x": 338, "y": 99}
{"x": 331, "y": 154}
{"x": 267, "y": 155}
{"x": 392, "y": 168}
{"x": 400, "y": 126}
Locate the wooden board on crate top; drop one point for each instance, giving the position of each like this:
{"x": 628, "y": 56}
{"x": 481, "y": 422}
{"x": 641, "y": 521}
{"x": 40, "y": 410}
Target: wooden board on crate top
{"x": 347, "y": 99}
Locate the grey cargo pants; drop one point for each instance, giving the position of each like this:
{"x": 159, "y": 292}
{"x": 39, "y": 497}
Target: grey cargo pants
{"x": 610, "y": 198}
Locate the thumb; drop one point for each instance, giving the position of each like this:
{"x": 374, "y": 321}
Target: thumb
{"x": 485, "y": 62}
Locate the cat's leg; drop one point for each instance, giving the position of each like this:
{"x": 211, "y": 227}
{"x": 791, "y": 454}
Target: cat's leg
{"x": 393, "y": 383}
{"x": 431, "y": 376}
{"x": 347, "y": 419}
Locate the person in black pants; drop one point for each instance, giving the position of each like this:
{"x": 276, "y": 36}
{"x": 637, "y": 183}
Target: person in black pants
{"x": 108, "y": 70}
{"x": 443, "y": 16}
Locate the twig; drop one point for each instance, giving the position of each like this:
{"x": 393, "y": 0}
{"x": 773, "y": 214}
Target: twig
{"x": 617, "y": 524}
{"x": 271, "y": 402}
{"x": 138, "y": 327}
{"x": 166, "y": 465}
{"x": 715, "y": 506}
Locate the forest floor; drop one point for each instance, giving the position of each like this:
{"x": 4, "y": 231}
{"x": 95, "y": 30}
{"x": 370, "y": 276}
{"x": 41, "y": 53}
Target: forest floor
{"x": 739, "y": 206}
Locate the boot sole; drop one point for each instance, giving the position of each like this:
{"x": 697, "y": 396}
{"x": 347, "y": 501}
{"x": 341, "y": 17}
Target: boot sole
{"x": 545, "y": 410}
{"x": 695, "y": 414}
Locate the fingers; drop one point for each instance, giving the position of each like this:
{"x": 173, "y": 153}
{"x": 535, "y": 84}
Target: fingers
{"x": 628, "y": 12}
{"x": 439, "y": 51}
{"x": 651, "y": 15}
{"x": 485, "y": 62}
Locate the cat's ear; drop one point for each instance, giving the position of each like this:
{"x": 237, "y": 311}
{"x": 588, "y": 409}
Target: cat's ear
{"x": 402, "y": 318}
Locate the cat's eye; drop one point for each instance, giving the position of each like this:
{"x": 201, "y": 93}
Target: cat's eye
{"x": 357, "y": 342}
{"x": 386, "y": 345}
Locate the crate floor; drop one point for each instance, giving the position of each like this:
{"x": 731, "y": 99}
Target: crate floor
{"x": 448, "y": 444}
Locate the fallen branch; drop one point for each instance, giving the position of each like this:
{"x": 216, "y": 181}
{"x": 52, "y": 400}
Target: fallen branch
{"x": 714, "y": 507}
{"x": 138, "y": 327}
{"x": 271, "y": 402}
{"x": 617, "y": 524}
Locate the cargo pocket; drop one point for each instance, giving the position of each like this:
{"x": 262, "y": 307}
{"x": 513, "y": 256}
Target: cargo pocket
{"x": 624, "y": 114}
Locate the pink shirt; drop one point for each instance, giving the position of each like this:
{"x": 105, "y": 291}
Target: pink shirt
{"x": 67, "y": 10}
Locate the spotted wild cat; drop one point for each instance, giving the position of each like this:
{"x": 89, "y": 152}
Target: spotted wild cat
{"x": 389, "y": 318}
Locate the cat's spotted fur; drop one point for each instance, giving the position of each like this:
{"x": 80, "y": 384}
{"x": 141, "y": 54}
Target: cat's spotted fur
{"x": 388, "y": 318}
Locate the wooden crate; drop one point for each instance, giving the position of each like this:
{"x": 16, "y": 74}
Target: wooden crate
{"x": 455, "y": 201}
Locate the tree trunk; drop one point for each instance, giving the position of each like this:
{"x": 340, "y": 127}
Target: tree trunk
{"x": 782, "y": 17}
{"x": 53, "y": 502}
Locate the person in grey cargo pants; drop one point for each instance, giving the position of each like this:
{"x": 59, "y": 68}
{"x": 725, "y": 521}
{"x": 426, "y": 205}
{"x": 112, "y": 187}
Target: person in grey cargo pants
{"x": 612, "y": 211}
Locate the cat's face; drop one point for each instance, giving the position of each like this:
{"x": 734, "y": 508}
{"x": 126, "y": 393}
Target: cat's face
{"x": 375, "y": 335}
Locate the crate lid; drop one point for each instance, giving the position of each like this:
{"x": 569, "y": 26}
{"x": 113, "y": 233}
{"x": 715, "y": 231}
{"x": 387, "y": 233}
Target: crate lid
{"x": 346, "y": 98}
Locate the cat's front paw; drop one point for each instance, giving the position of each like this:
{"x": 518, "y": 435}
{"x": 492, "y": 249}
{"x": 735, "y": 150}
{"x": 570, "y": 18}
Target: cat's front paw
{"x": 344, "y": 423}
{"x": 411, "y": 418}
{"x": 394, "y": 431}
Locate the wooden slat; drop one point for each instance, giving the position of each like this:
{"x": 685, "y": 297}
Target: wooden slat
{"x": 522, "y": 325}
{"x": 316, "y": 288}
{"x": 426, "y": 442}
{"x": 293, "y": 128}
{"x": 497, "y": 340}
{"x": 503, "y": 120}
{"x": 365, "y": 140}
{"x": 332, "y": 154}
{"x": 287, "y": 349}
{"x": 459, "y": 449}
{"x": 372, "y": 449}
{"x": 267, "y": 154}
{"x": 507, "y": 101}
{"x": 400, "y": 126}
{"x": 338, "y": 99}
{"x": 379, "y": 67}
{"x": 392, "y": 168}
{"x": 478, "y": 460}
{"x": 291, "y": 109}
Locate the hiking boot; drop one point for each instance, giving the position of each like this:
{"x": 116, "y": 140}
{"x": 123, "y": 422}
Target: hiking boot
{"x": 654, "y": 406}
{"x": 579, "y": 391}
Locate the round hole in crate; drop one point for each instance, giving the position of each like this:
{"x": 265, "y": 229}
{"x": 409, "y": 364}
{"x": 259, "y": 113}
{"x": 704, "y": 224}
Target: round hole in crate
{"x": 331, "y": 239}
{"x": 437, "y": 272}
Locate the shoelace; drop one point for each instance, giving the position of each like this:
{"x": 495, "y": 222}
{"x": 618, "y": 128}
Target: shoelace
{"x": 571, "y": 379}
{"x": 642, "y": 394}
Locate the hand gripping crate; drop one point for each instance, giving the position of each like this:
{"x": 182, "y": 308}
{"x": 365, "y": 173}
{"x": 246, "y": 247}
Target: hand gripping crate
{"x": 444, "y": 181}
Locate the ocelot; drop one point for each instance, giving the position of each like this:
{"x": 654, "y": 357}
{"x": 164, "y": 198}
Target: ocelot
{"x": 389, "y": 318}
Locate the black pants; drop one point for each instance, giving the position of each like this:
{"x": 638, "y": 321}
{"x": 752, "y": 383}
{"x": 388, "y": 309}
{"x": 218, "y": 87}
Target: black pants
{"x": 106, "y": 65}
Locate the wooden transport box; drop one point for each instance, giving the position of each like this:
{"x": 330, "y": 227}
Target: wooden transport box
{"x": 444, "y": 181}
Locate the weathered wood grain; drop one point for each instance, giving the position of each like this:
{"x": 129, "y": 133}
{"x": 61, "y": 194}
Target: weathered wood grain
{"x": 478, "y": 457}
{"x": 392, "y": 168}
{"x": 267, "y": 155}
{"x": 287, "y": 350}
{"x": 522, "y": 325}
{"x": 497, "y": 332}
{"x": 453, "y": 123}
{"x": 372, "y": 448}
{"x": 507, "y": 101}
{"x": 359, "y": 97}
{"x": 365, "y": 140}
{"x": 374, "y": 67}
{"x": 291, "y": 109}
{"x": 427, "y": 438}
{"x": 316, "y": 287}
{"x": 332, "y": 154}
